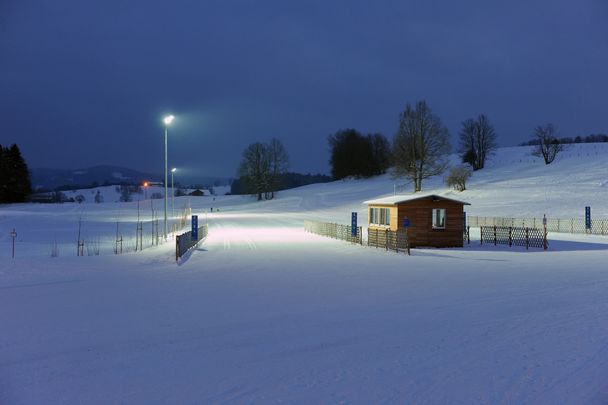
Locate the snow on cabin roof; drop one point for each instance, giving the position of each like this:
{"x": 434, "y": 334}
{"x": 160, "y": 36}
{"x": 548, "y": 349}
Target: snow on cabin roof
{"x": 397, "y": 199}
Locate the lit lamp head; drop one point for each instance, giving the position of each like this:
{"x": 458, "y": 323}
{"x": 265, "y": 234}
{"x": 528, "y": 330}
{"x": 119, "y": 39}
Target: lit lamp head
{"x": 145, "y": 184}
{"x": 168, "y": 119}
{"x": 173, "y": 170}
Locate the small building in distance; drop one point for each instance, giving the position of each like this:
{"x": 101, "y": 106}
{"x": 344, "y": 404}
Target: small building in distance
{"x": 197, "y": 193}
{"x": 434, "y": 221}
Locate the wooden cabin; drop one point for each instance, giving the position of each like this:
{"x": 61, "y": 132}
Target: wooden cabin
{"x": 434, "y": 221}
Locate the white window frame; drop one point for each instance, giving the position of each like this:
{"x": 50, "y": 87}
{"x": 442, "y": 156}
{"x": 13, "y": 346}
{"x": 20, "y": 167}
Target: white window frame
{"x": 441, "y": 212}
{"x": 380, "y": 216}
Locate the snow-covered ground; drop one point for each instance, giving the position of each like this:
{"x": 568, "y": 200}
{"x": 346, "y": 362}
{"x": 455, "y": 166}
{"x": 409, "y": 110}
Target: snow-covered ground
{"x": 263, "y": 312}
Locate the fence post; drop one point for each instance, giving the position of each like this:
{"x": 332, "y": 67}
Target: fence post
{"x": 13, "y": 236}
{"x": 494, "y": 235}
{"x": 177, "y": 238}
{"x": 527, "y": 240}
{"x": 386, "y": 239}
{"x": 545, "y": 243}
{"x": 481, "y": 235}
{"x": 510, "y": 236}
{"x": 360, "y": 232}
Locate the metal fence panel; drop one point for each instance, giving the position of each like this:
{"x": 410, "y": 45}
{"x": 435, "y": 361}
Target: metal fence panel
{"x": 569, "y": 225}
{"x": 518, "y": 236}
{"x": 184, "y": 242}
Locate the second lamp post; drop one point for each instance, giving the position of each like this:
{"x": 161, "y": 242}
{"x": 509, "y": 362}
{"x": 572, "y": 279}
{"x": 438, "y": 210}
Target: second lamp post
{"x": 167, "y": 120}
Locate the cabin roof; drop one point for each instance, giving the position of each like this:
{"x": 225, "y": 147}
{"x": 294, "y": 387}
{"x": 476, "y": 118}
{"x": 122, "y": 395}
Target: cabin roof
{"x": 398, "y": 199}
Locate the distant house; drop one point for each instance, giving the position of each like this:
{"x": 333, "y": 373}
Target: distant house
{"x": 43, "y": 198}
{"x": 434, "y": 221}
{"x": 197, "y": 193}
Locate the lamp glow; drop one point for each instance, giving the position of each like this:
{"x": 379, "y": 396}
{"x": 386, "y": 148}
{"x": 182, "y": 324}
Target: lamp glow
{"x": 168, "y": 119}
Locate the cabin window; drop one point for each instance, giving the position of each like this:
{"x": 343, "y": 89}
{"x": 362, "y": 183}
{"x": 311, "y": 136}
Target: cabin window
{"x": 438, "y": 218}
{"x": 380, "y": 216}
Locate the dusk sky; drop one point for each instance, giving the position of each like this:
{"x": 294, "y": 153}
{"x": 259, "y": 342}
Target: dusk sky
{"x": 86, "y": 83}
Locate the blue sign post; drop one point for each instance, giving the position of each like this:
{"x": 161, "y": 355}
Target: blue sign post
{"x": 194, "y": 233}
{"x": 587, "y": 217}
{"x": 353, "y": 225}
{"x": 406, "y": 224}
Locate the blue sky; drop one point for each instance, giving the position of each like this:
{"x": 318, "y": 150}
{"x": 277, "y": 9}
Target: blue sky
{"x": 87, "y": 82}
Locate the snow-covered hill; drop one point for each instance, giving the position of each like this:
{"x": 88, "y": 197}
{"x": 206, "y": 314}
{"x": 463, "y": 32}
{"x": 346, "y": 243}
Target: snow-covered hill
{"x": 264, "y": 312}
{"x": 514, "y": 183}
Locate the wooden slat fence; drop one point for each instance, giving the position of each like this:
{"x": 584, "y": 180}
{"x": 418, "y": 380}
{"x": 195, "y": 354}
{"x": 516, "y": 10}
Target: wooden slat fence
{"x": 184, "y": 242}
{"x": 336, "y": 231}
{"x": 387, "y": 239}
{"x": 571, "y": 225}
{"x": 514, "y": 236}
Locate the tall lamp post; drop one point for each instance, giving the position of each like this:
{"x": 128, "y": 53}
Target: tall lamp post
{"x": 172, "y": 195}
{"x": 167, "y": 120}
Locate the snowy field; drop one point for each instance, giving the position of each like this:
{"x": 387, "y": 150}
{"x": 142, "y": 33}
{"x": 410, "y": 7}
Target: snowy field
{"x": 263, "y": 312}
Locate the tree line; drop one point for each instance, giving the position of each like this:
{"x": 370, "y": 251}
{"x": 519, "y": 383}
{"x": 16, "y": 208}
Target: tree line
{"x": 261, "y": 168}
{"x": 15, "y": 184}
{"x": 419, "y": 150}
{"x": 593, "y": 138}
{"x": 286, "y": 181}
{"x": 421, "y": 146}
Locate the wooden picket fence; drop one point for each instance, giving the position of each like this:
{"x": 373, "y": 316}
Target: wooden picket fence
{"x": 387, "y": 239}
{"x": 336, "y": 231}
{"x": 514, "y": 236}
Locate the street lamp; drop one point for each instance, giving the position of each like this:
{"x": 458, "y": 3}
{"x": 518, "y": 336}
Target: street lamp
{"x": 167, "y": 120}
{"x": 173, "y": 195}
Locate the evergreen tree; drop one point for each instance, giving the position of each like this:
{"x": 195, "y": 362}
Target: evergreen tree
{"x": 3, "y": 175}
{"x": 353, "y": 154}
{"x": 15, "y": 184}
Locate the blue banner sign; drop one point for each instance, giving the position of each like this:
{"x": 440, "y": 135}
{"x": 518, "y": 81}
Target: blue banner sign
{"x": 406, "y": 222}
{"x": 194, "y": 233}
{"x": 353, "y": 225}
{"x": 588, "y": 217}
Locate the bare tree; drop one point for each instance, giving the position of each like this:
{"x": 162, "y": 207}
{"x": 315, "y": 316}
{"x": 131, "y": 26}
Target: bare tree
{"x": 421, "y": 145}
{"x": 477, "y": 141}
{"x": 254, "y": 169}
{"x": 457, "y": 177}
{"x": 549, "y": 144}
{"x": 279, "y": 163}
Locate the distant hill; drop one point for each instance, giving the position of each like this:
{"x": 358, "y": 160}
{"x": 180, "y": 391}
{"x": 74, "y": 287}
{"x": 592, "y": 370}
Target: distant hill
{"x": 80, "y": 178}
{"x": 71, "y": 179}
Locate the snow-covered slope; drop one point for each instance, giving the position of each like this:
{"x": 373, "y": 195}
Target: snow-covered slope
{"x": 263, "y": 312}
{"x": 514, "y": 183}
